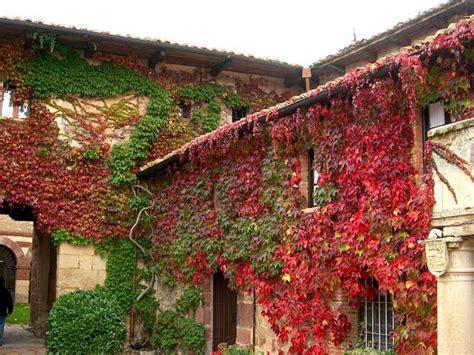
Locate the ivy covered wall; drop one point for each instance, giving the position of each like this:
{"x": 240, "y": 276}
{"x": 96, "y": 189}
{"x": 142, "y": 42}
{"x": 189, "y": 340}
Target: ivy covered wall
{"x": 91, "y": 124}
{"x": 236, "y": 206}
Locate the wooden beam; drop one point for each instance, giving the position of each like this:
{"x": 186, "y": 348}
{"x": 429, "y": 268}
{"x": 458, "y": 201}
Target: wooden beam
{"x": 338, "y": 68}
{"x": 400, "y": 40}
{"x": 158, "y": 56}
{"x": 91, "y": 49}
{"x": 219, "y": 67}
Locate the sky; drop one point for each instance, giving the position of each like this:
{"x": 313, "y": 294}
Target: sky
{"x": 294, "y": 31}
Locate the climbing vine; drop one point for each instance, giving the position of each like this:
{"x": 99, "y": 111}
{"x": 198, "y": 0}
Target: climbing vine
{"x": 236, "y": 205}
{"x": 73, "y": 156}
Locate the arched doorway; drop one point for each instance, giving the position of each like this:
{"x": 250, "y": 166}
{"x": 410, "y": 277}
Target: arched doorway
{"x": 41, "y": 271}
{"x": 8, "y": 268}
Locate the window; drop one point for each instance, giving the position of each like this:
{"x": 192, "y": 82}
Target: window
{"x": 7, "y": 107}
{"x": 313, "y": 176}
{"x": 434, "y": 115}
{"x": 238, "y": 113}
{"x": 377, "y": 320}
{"x": 184, "y": 110}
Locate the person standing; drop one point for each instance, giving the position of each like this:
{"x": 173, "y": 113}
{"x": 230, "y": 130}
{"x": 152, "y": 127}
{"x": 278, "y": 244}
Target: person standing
{"x": 6, "y": 306}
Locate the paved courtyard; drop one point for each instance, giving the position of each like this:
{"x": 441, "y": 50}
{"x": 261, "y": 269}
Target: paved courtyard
{"x": 19, "y": 340}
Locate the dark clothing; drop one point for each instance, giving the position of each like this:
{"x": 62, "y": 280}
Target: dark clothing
{"x": 6, "y": 303}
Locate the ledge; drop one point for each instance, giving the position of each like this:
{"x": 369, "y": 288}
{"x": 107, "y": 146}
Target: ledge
{"x": 309, "y": 210}
{"x": 450, "y": 128}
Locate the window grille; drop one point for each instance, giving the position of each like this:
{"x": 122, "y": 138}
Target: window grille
{"x": 378, "y": 320}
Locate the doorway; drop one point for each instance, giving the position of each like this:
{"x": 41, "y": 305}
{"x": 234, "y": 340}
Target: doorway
{"x": 41, "y": 271}
{"x": 224, "y": 329}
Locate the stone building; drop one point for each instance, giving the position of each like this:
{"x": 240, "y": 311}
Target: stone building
{"x": 250, "y": 327}
{"x": 56, "y": 270}
{"x": 68, "y": 267}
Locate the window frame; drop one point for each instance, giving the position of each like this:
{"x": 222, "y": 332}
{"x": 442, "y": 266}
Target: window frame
{"x": 15, "y": 108}
{"x": 425, "y": 125}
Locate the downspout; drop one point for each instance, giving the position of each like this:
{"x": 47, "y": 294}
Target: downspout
{"x": 254, "y": 328}
{"x": 132, "y": 309}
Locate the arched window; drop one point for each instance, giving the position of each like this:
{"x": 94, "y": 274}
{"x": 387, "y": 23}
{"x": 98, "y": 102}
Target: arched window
{"x": 377, "y": 320}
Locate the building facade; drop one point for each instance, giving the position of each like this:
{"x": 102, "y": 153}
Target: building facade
{"x": 81, "y": 133}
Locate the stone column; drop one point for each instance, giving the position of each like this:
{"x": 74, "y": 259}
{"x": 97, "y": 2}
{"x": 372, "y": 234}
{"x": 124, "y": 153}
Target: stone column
{"x": 452, "y": 260}
{"x": 450, "y": 247}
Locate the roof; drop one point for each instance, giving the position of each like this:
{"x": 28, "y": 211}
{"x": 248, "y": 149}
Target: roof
{"x": 400, "y": 35}
{"x": 174, "y": 53}
{"x": 373, "y": 71}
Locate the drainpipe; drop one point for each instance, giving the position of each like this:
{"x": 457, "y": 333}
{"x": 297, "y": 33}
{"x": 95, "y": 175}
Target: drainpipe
{"x": 306, "y": 75}
{"x": 254, "y": 320}
{"x": 132, "y": 309}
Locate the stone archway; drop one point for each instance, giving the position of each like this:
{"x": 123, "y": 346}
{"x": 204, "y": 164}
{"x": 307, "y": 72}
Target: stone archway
{"x": 39, "y": 266}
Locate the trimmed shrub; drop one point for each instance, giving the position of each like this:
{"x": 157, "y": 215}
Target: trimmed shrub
{"x": 86, "y": 322}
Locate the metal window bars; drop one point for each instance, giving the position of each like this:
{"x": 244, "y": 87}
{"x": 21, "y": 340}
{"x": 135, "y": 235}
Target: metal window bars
{"x": 378, "y": 320}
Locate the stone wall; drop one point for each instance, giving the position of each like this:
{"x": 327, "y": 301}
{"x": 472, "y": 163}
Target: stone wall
{"x": 70, "y": 111}
{"x": 450, "y": 247}
{"x": 78, "y": 268}
{"x": 459, "y": 138}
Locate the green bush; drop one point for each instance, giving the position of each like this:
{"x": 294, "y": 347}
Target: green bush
{"x": 86, "y": 322}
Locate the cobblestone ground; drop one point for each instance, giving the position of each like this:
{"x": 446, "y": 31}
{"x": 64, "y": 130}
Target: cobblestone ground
{"x": 19, "y": 340}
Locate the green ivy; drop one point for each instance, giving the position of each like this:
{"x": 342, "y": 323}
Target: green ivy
{"x": 323, "y": 195}
{"x": 208, "y": 117}
{"x": 166, "y": 332}
{"x": 92, "y": 153}
{"x": 119, "y": 279}
{"x": 62, "y": 236}
{"x": 147, "y": 309}
{"x": 45, "y": 40}
{"x": 172, "y": 329}
{"x": 69, "y": 75}
{"x": 191, "y": 299}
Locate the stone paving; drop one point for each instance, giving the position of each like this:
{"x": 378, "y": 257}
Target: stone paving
{"x": 19, "y": 340}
